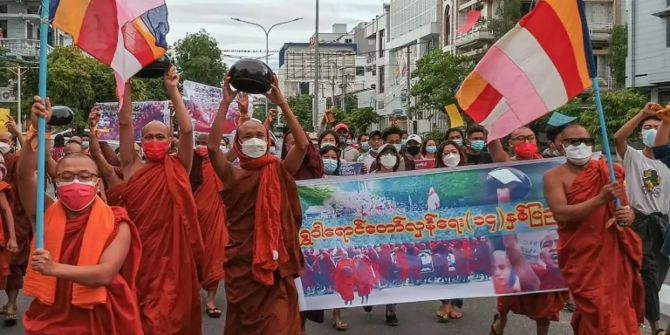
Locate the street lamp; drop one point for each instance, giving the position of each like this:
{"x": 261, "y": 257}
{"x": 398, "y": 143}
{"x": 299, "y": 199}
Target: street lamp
{"x": 267, "y": 41}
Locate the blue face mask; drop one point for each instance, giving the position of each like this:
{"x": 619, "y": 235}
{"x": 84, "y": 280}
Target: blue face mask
{"x": 477, "y": 145}
{"x": 431, "y": 149}
{"x": 649, "y": 137}
{"x": 329, "y": 165}
{"x": 459, "y": 141}
{"x": 365, "y": 146}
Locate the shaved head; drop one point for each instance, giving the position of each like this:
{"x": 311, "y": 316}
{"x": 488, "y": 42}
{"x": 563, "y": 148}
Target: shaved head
{"x": 156, "y": 126}
{"x": 73, "y": 148}
{"x": 6, "y": 137}
{"x": 76, "y": 162}
{"x": 252, "y": 129}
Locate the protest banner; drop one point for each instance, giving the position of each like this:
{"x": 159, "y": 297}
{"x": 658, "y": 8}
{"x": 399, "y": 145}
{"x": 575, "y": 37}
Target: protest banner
{"x": 143, "y": 113}
{"x": 424, "y": 164}
{"x": 202, "y": 102}
{"x": 4, "y": 117}
{"x": 351, "y": 169}
{"x": 427, "y": 235}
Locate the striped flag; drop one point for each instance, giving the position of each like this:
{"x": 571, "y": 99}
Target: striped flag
{"x": 538, "y": 66}
{"x": 126, "y": 35}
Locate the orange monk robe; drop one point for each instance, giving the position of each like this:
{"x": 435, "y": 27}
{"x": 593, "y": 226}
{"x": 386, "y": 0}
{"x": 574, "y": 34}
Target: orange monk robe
{"x": 23, "y": 228}
{"x": 601, "y": 264}
{"x": 159, "y": 200}
{"x": 254, "y": 308}
{"x": 212, "y": 218}
{"x": 118, "y": 315}
{"x": 536, "y": 306}
{"x": 5, "y": 256}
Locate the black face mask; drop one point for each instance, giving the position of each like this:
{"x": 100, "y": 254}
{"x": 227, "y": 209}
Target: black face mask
{"x": 413, "y": 150}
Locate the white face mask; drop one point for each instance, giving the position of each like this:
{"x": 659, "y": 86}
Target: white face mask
{"x": 5, "y": 148}
{"x": 578, "y": 154}
{"x": 254, "y": 147}
{"x": 398, "y": 147}
{"x": 389, "y": 161}
{"x": 451, "y": 160}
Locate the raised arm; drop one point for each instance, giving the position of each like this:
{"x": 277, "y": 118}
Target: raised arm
{"x": 294, "y": 158}
{"x": 663, "y": 135}
{"x": 221, "y": 165}
{"x": 185, "y": 148}
{"x": 498, "y": 153}
{"x": 270, "y": 118}
{"x": 527, "y": 277}
{"x": 622, "y": 135}
{"x": 11, "y": 127}
{"x": 102, "y": 274}
{"x": 27, "y": 178}
{"x": 564, "y": 213}
{"x": 129, "y": 159}
{"x": 106, "y": 169}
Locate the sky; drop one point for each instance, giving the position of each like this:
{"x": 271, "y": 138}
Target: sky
{"x": 189, "y": 16}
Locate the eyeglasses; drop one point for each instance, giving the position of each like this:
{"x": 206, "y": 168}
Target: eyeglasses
{"x": 579, "y": 141}
{"x": 68, "y": 177}
{"x": 522, "y": 138}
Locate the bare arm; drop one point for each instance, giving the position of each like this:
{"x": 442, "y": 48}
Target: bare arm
{"x": 527, "y": 277}
{"x": 185, "y": 149}
{"x": 662, "y": 137}
{"x": 129, "y": 159}
{"x": 102, "y": 274}
{"x": 554, "y": 192}
{"x": 622, "y": 135}
{"x": 221, "y": 165}
{"x": 8, "y": 218}
{"x": 106, "y": 169}
{"x": 498, "y": 153}
{"x": 294, "y": 158}
{"x": 270, "y": 119}
{"x": 11, "y": 127}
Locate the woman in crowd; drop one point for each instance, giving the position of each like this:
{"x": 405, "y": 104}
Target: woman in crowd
{"x": 429, "y": 148}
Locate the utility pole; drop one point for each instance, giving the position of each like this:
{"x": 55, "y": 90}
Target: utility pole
{"x": 409, "y": 83}
{"x": 315, "y": 113}
{"x": 344, "y": 90}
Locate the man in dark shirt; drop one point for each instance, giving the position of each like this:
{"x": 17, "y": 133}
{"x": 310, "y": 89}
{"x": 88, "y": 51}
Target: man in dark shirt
{"x": 474, "y": 149}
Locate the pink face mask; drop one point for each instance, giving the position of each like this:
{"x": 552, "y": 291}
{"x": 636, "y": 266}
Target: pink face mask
{"x": 76, "y": 195}
{"x": 155, "y": 150}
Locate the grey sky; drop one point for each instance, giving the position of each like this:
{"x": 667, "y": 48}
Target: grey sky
{"x": 214, "y": 16}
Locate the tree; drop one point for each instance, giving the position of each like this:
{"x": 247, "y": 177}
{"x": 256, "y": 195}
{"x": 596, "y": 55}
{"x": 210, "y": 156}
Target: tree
{"x": 508, "y": 13}
{"x": 438, "y": 76}
{"x": 360, "y": 119}
{"x": 302, "y": 107}
{"x": 618, "y": 54}
{"x": 199, "y": 59}
{"x": 154, "y": 89}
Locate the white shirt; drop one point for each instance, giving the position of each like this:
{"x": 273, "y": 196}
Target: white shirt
{"x": 647, "y": 183}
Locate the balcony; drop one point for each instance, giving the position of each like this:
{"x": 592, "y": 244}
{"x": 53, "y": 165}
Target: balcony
{"x": 22, "y": 49}
{"x": 478, "y": 34}
{"x": 600, "y": 32}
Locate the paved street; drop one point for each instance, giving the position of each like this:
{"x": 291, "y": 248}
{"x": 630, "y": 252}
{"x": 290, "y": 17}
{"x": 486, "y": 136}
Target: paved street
{"x": 416, "y": 318}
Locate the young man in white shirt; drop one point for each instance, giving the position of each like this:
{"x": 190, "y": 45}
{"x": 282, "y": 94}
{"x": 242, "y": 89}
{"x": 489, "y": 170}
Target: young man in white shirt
{"x": 648, "y": 191}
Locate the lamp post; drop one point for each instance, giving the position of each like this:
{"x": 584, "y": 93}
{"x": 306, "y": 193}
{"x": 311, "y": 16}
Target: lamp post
{"x": 267, "y": 40}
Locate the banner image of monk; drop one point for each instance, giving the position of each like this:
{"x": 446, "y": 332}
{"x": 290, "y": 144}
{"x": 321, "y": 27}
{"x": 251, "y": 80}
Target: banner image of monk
{"x": 375, "y": 239}
{"x": 143, "y": 113}
{"x": 202, "y": 102}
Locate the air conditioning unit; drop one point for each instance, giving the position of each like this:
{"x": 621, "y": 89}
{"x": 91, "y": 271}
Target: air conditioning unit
{"x": 7, "y": 94}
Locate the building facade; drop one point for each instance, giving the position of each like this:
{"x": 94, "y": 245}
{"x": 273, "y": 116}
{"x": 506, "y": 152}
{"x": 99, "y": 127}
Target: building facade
{"x": 648, "y": 63}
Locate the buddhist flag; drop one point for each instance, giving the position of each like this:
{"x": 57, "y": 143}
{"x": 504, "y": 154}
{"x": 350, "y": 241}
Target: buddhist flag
{"x": 126, "y": 35}
{"x": 538, "y": 66}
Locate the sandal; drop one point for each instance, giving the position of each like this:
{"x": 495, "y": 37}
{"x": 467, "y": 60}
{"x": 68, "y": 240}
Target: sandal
{"x": 660, "y": 331}
{"x": 213, "y": 313}
{"x": 340, "y": 325}
{"x": 493, "y": 329}
{"x": 10, "y": 319}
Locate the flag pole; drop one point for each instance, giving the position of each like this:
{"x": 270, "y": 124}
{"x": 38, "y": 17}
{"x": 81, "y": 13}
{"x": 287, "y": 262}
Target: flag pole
{"x": 603, "y": 133}
{"x": 41, "y": 127}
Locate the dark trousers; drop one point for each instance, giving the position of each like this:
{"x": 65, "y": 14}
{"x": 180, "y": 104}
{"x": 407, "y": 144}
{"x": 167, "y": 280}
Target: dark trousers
{"x": 651, "y": 229}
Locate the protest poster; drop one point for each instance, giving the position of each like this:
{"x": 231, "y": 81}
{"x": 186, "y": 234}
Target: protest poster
{"x": 424, "y": 164}
{"x": 4, "y": 118}
{"x": 202, "y": 102}
{"x": 426, "y": 235}
{"x": 143, "y": 113}
{"x": 351, "y": 169}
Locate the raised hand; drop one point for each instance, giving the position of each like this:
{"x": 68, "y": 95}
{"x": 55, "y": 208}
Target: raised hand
{"x": 40, "y": 109}
{"x": 93, "y": 118}
{"x": 651, "y": 108}
{"x": 228, "y": 92}
{"x": 243, "y": 103}
{"x": 272, "y": 116}
{"x": 275, "y": 94}
{"x": 11, "y": 125}
{"x": 171, "y": 78}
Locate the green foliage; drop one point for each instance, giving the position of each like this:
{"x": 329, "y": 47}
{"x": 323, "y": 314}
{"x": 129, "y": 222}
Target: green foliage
{"x": 302, "y": 107}
{"x": 618, "y": 53}
{"x": 314, "y": 196}
{"x": 619, "y": 107}
{"x": 360, "y": 119}
{"x": 508, "y": 13}
{"x": 154, "y": 89}
{"x": 438, "y": 75}
{"x": 199, "y": 59}
{"x": 5, "y": 75}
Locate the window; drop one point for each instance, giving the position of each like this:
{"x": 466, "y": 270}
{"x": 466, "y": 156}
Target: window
{"x": 381, "y": 43}
{"x": 447, "y": 26}
{"x": 3, "y": 29}
{"x": 373, "y": 86}
{"x": 667, "y": 32}
{"x": 374, "y": 71}
{"x": 360, "y": 70}
{"x": 3, "y": 9}
{"x": 381, "y": 79}
{"x": 348, "y": 40}
{"x": 29, "y": 30}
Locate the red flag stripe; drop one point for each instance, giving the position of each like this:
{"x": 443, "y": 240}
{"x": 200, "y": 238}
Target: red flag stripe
{"x": 99, "y": 32}
{"x": 484, "y": 104}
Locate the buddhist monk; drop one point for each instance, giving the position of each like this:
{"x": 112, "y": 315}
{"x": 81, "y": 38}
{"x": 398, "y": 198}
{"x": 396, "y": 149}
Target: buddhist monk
{"x": 22, "y": 226}
{"x": 158, "y": 197}
{"x": 345, "y": 278}
{"x": 264, "y": 216}
{"x": 83, "y": 281}
{"x": 207, "y": 189}
{"x": 541, "y": 307}
{"x": 8, "y": 245}
{"x": 600, "y": 256}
